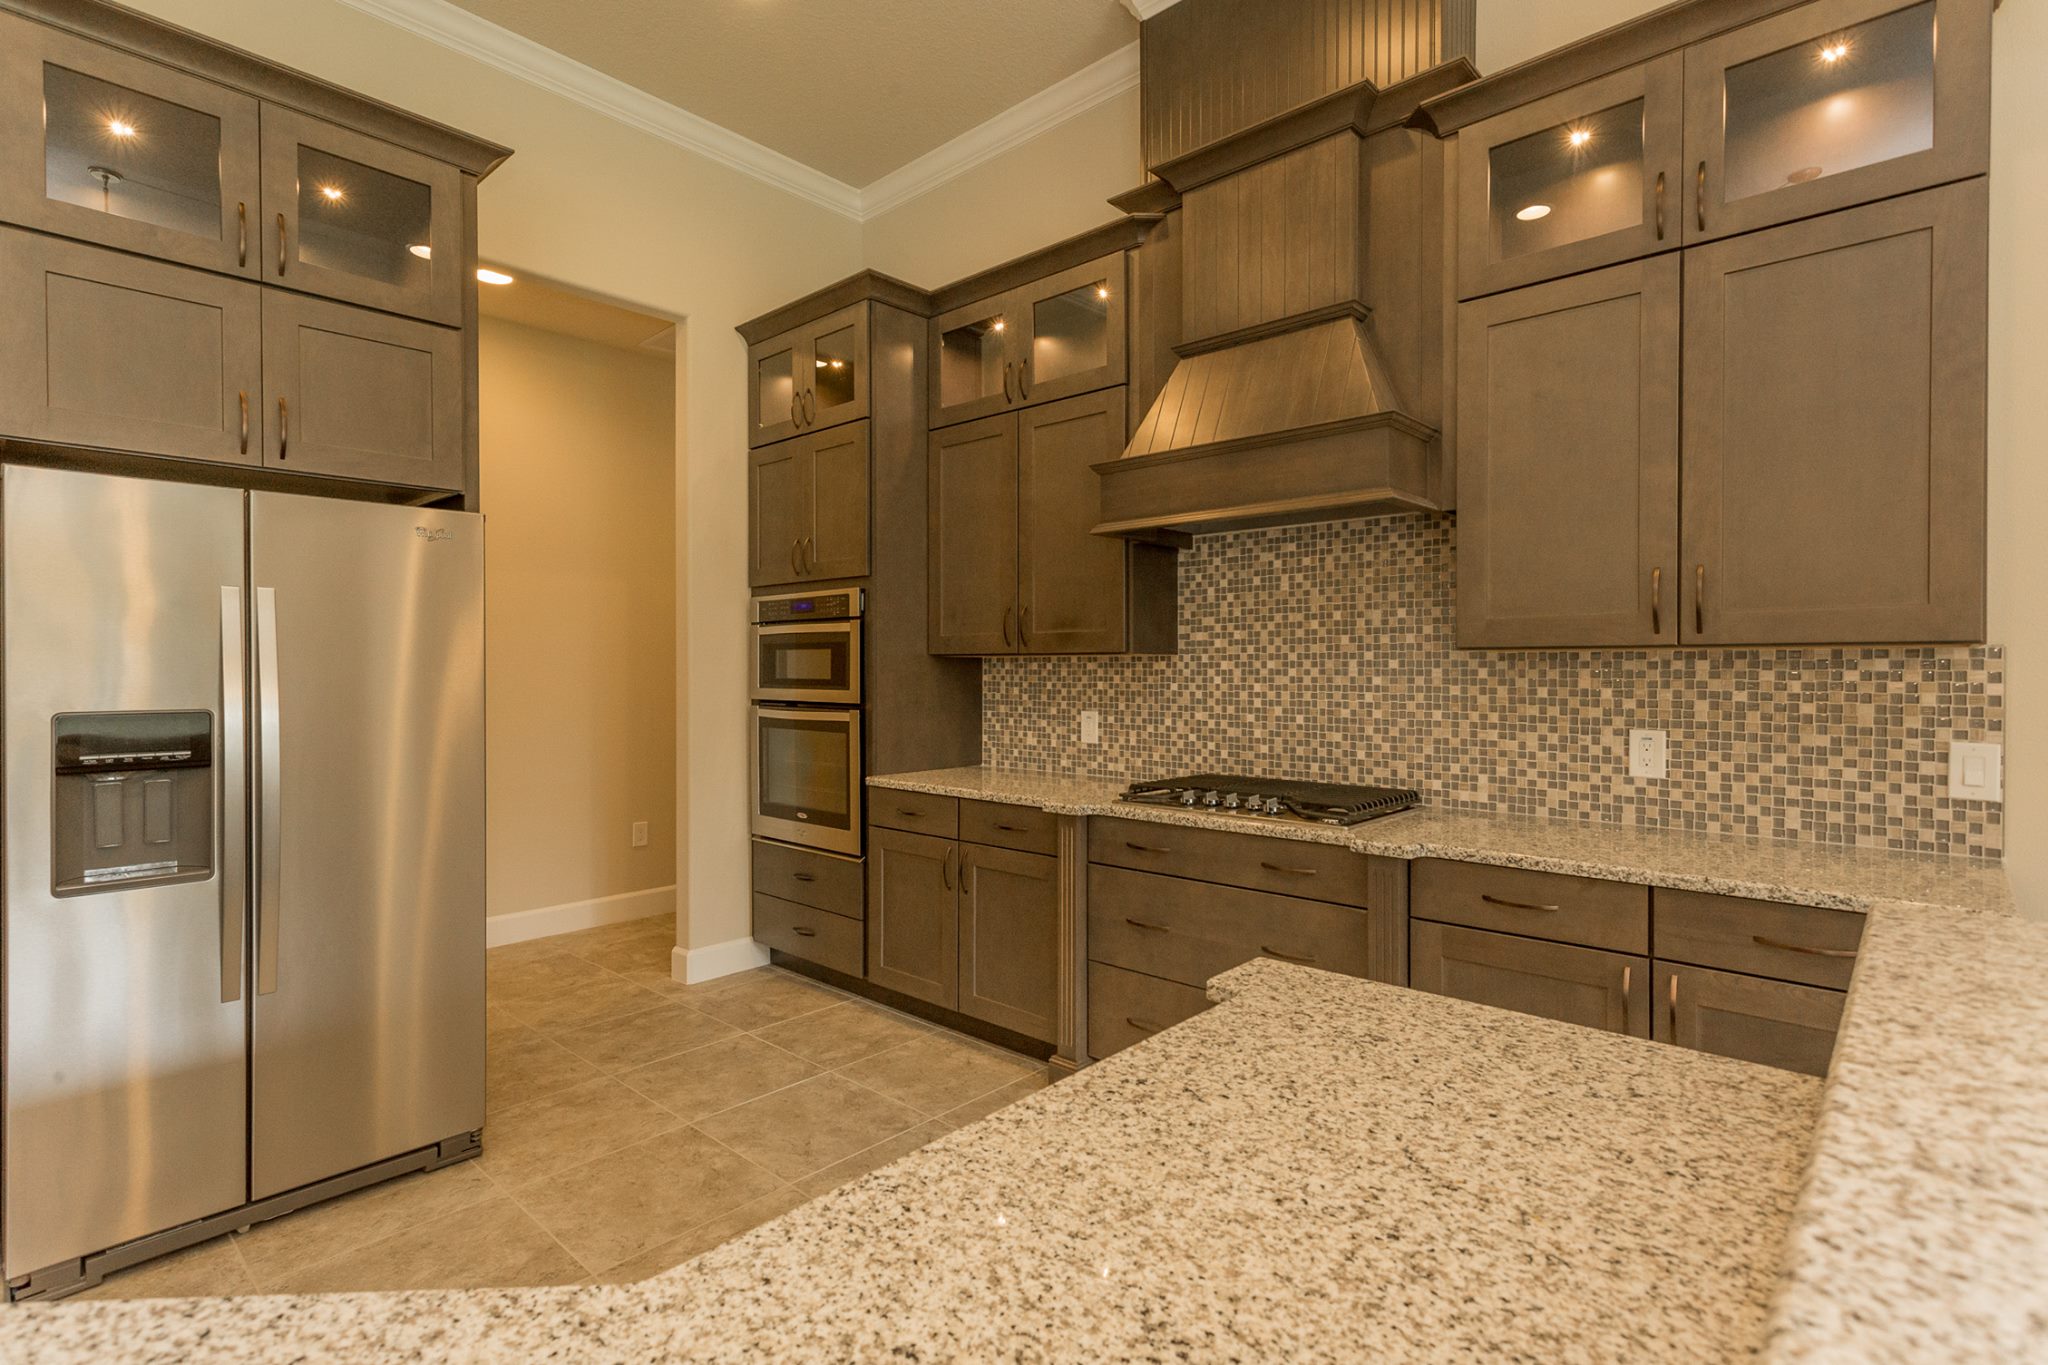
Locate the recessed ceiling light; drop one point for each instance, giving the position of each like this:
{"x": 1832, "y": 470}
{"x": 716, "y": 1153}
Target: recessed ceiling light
{"x": 1533, "y": 212}
{"x": 422, "y": 250}
{"x": 489, "y": 276}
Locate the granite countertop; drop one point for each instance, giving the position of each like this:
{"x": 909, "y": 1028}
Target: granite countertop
{"x": 1320, "y": 1169}
{"x": 1796, "y": 873}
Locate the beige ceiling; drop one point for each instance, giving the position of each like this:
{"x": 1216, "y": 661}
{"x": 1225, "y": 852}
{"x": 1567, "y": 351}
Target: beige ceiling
{"x": 538, "y": 304}
{"x": 854, "y": 88}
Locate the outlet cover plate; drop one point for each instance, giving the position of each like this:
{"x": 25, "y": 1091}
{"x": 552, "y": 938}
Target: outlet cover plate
{"x": 1647, "y": 754}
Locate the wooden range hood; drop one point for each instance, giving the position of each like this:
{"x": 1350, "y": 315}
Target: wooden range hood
{"x": 1310, "y": 384}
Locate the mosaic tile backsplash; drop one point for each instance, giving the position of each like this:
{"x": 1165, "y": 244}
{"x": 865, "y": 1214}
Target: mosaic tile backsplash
{"x": 1327, "y": 652}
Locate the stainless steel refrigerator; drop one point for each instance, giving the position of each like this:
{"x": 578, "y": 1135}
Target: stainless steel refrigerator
{"x": 243, "y": 858}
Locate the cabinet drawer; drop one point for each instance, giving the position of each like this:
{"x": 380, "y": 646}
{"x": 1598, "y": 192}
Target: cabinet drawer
{"x": 1760, "y": 938}
{"x": 809, "y": 933}
{"x": 1611, "y": 915}
{"x": 1129, "y": 1007}
{"x": 938, "y": 816}
{"x": 1550, "y": 980}
{"x": 1191, "y": 931}
{"x": 820, "y": 880}
{"x": 1771, "y": 1023}
{"x": 1324, "y": 872}
{"x": 1020, "y": 827}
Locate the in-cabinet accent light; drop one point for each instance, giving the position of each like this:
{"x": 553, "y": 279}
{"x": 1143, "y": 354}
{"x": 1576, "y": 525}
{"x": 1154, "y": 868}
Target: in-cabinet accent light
{"x": 422, "y": 250}
{"x": 333, "y": 194}
{"x": 1533, "y": 212}
{"x": 997, "y": 326}
{"x": 1579, "y": 137}
{"x": 1101, "y": 291}
{"x": 493, "y": 276}
{"x": 1834, "y": 52}
{"x": 120, "y": 127}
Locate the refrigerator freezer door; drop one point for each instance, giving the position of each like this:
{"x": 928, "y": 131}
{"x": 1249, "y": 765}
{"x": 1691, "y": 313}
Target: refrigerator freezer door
{"x": 126, "y": 1058}
{"x": 368, "y": 1008}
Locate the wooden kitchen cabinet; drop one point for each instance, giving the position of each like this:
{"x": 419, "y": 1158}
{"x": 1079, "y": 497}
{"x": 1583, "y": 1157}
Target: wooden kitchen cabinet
{"x": 809, "y": 378}
{"x": 1772, "y": 1023}
{"x": 123, "y": 353}
{"x": 913, "y": 882}
{"x": 1584, "y": 178}
{"x": 1833, "y": 104}
{"x": 1065, "y": 334}
{"x": 1009, "y": 944}
{"x": 1834, "y": 437}
{"x": 1574, "y": 985}
{"x": 973, "y": 538}
{"x": 360, "y": 395}
{"x": 1570, "y": 545}
{"x": 807, "y": 504}
{"x": 111, "y": 148}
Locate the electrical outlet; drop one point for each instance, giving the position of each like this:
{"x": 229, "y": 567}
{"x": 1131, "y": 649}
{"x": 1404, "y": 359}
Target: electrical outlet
{"x": 1091, "y": 727}
{"x": 1646, "y": 754}
{"x": 1976, "y": 772}
{"x": 639, "y": 834}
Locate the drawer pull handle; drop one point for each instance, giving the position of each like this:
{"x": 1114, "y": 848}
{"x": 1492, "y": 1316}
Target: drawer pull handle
{"x": 1308, "y": 961}
{"x": 1290, "y": 871}
{"x": 1144, "y": 848}
{"x": 1146, "y": 924}
{"x": 1520, "y": 905}
{"x": 907, "y": 813}
{"x": 1012, "y": 829}
{"x": 1760, "y": 941}
{"x": 802, "y": 877}
{"x": 802, "y": 932}
{"x": 1140, "y": 1025}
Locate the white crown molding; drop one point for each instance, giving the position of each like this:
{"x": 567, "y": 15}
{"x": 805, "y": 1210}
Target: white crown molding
{"x": 1101, "y": 80}
{"x": 459, "y": 30}
{"x": 1145, "y": 9}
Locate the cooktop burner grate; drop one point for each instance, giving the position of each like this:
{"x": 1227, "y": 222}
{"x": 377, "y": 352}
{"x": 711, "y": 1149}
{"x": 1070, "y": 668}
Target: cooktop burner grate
{"x": 1327, "y": 803}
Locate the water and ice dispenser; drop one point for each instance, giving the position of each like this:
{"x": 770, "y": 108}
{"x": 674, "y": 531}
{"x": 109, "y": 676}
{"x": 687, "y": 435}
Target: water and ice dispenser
{"x": 132, "y": 800}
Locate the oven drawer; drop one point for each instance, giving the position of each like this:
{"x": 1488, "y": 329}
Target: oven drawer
{"x": 1759, "y": 938}
{"x": 1129, "y": 1007}
{"x": 1191, "y": 931}
{"x": 1024, "y": 828}
{"x": 1597, "y": 914}
{"x": 938, "y": 816}
{"x": 809, "y": 933}
{"x": 1291, "y": 867}
{"x": 820, "y": 880}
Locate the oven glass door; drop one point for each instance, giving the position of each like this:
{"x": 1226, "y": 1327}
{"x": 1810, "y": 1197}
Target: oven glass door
{"x": 808, "y": 662}
{"x": 807, "y": 776}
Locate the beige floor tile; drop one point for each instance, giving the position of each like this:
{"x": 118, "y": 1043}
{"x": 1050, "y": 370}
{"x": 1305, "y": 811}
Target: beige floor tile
{"x": 809, "y": 1126}
{"x": 938, "y": 1072}
{"x": 524, "y": 1064}
{"x": 757, "y": 999}
{"x": 585, "y": 941}
{"x": 998, "y": 1099}
{"x": 212, "y": 1268}
{"x": 717, "y": 1076}
{"x": 490, "y": 1245}
{"x": 284, "y": 1246}
{"x": 572, "y": 994}
{"x": 526, "y": 950}
{"x": 633, "y": 1040}
{"x": 619, "y": 1206}
{"x": 843, "y": 1033}
{"x": 872, "y": 1158}
{"x": 702, "y": 1238}
{"x": 530, "y": 1141}
{"x": 634, "y": 957}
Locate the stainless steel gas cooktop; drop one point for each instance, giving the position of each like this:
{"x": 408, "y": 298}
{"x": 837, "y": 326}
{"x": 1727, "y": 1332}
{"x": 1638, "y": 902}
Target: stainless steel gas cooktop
{"x": 1322, "y": 803}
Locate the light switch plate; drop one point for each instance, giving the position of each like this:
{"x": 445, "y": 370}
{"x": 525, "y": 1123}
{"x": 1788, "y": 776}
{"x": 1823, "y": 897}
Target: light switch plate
{"x": 1091, "y": 727}
{"x": 1647, "y": 754}
{"x": 1976, "y": 772}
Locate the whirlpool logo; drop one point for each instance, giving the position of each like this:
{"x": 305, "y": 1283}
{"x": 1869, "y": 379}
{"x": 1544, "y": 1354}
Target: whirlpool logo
{"x": 440, "y": 533}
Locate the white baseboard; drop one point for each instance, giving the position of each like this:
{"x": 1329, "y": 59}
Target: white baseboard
{"x": 713, "y": 960}
{"x": 550, "y": 920}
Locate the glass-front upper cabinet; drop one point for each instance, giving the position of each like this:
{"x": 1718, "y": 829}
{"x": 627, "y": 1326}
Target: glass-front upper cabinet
{"x": 357, "y": 219}
{"x": 1580, "y": 179}
{"x": 1055, "y": 337}
{"x": 809, "y": 377}
{"x": 130, "y": 154}
{"x": 973, "y": 372}
{"x": 1834, "y": 103}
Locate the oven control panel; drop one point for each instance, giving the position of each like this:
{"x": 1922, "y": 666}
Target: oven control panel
{"x": 843, "y": 605}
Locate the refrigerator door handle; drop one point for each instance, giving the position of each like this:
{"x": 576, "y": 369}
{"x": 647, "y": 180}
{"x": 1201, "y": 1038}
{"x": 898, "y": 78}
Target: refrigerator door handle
{"x": 269, "y": 805}
{"x": 234, "y": 796}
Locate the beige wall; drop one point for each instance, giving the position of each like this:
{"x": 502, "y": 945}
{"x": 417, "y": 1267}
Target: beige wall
{"x": 580, "y": 626}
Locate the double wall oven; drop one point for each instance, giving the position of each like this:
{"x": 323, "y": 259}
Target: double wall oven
{"x": 807, "y": 776}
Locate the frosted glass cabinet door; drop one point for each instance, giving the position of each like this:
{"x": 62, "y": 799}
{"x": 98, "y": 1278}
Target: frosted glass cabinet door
{"x": 1832, "y": 104}
{"x": 113, "y": 149}
{"x": 1584, "y": 178}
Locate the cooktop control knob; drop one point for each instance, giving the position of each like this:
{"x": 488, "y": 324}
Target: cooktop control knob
{"x": 1212, "y": 798}
{"x": 1272, "y": 805}
{"x": 1187, "y": 798}
{"x": 1230, "y": 801}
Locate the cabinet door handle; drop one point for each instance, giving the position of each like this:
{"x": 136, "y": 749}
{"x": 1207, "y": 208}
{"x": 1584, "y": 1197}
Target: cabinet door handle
{"x": 280, "y": 245}
{"x": 810, "y": 406}
{"x": 1674, "y": 1007}
{"x": 1657, "y": 602}
{"x": 284, "y": 428}
{"x": 794, "y": 419}
{"x": 245, "y": 421}
{"x": 1308, "y": 961}
{"x": 1290, "y": 871}
{"x": 1628, "y": 980}
{"x": 1009, "y": 368}
{"x": 1146, "y": 924}
{"x": 810, "y": 556}
{"x": 1024, "y": 628}
{"x": 946, "y": 868}
{"x": 795, "y": 567}
{"x": 1520, "y": 905}
{"x": 1699, "y": 599}
{"x": 1008, "y": 643}
{"x": 1760, "y": 941}
{"x": 1023, "y": 379}
{"x": 242, "y": 233}
{"x": 1144, "y": 848}
{"x": 1699, "y": 197}
{"x": 1660, "y": 206}
{"x": 802, "y": 932}
{"x": 1140, "y": 1025}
